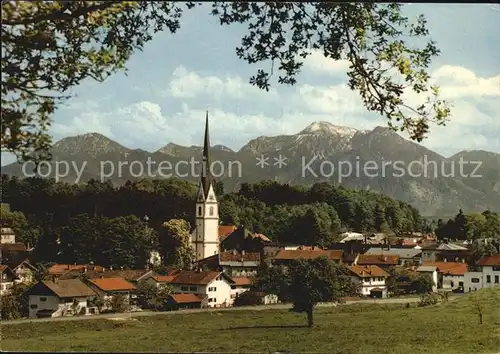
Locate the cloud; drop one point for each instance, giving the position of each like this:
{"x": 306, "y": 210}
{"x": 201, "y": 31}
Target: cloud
{"x": 189, "y": 84}
{"x": 458, "y": 82}
{"x": 318, "y": 63}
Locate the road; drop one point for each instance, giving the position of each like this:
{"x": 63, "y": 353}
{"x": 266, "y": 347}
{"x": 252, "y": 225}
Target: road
{"x": 181, "y": 312}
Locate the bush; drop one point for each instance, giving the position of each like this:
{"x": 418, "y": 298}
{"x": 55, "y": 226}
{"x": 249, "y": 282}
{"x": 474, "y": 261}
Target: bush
{"x": 247, "y": 299}
{"x": 428, "y": 299}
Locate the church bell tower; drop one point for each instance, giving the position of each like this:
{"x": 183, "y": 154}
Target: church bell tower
{"x": 205, "y": 239}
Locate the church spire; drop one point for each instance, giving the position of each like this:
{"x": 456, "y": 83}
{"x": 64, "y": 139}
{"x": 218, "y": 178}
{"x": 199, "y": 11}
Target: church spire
{"x": 206, "y": 176}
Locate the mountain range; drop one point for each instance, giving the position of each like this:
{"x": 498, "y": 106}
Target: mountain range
{"x": 380, "y": 160}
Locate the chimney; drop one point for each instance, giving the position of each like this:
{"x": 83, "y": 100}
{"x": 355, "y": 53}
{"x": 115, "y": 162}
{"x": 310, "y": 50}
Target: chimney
{"x": 55, "y": 279}
{"x": 243, "y": 252}
{"x": 85, "y": 269}
{"x": 111, "y": 268}
{"x": 235, "y": 252}
{"x": 121, "y": 268}
{"x": 101, "y": 277}
{"x": 68, "y": 266}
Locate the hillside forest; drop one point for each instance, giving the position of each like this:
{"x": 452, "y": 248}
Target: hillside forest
{"x": 97, "y": 222}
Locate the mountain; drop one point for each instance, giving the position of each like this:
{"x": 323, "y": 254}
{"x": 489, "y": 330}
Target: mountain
{"x": 379, "y": 160}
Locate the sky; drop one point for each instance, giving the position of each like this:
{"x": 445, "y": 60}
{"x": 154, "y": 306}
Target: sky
{"x": 177, "y": 77}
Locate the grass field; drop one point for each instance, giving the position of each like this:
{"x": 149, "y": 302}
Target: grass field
{"x": 451, "y": 327}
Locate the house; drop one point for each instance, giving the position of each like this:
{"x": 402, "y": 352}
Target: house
{"x": 159, "y": 280}
{"x": 94, "y": 272}
{"x": 284, "y": 257}
{"x": 488, "y": 276}
{"x": 445, "y": 252}
{"x": 7, "y": 278}
{"x": 7, "y": 235}
{"x": 233, "y": 263}
{"x": 61, "y": 269}
{"x": 25, "y": 272}
{"x": 371, "y": 280}
{"x": 407, "y": 256}
{"x": 187, "y": 301}
{"x": 271, "y": 249}
{"x": 108, "y": 288}
{"x": 13, "y": 254}
{"x": 56, "y": 297}
{"x": 215, "y": 284}
{"x": 383, "y": 261}
{"x": 241, "y": 284}
{"x": 450, "y": 274}
{"x": 431, "y": 271}
{"x": 242, "y": 239}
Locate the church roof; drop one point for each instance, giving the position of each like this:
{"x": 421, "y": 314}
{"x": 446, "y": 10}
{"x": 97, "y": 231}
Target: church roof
{"x": 206, "y": 177}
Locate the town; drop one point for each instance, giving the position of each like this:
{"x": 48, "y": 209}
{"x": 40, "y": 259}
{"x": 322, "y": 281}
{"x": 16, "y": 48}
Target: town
{"x": 227, "y": 262}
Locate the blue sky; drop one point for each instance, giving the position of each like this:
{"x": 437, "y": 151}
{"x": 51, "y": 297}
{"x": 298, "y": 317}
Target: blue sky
{"x": 177, "y": 77}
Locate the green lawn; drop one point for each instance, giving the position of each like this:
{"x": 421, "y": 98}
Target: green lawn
{"x": 452, "y": 327}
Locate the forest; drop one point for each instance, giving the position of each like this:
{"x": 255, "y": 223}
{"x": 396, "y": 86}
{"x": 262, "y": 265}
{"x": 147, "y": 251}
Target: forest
{"x": 108, "y": 225}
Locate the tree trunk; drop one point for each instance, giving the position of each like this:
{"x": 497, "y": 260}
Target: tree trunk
{"x": 480, "y": 318}
{"x": 309, "y": 316}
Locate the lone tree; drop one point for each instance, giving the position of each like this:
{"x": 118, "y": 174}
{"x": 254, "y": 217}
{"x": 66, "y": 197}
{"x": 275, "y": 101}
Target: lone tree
{"x": 306, "y": 283}
{"x": 49, "y": 47}
{"x": 175, "y": 243}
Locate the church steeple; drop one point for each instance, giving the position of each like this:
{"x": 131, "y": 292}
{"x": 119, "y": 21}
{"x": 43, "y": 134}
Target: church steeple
{"x": 206, "y": 177}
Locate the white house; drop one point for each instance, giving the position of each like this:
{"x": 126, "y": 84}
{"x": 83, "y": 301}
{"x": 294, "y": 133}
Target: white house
{"x": 432, "y": 271}
{"x": 451, "y": 275}
{"x": 488, "y": 276}
{"x": 25, "y": 273}
{"x": 371, "y": 280}
{"x": 7, "y": 278}
{"x": 110, "y": 287}
{"x": 60, "y": 298}
{"x": 216, "y": 285}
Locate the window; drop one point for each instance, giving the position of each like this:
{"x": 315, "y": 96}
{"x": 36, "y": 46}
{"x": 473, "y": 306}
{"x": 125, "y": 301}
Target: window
{"x": 496, "y": 268}
{"x": 199, "y": 211}
{"x": 213, "y": 288}
{"x": 211, "y": 299}
{"x": 184, "y": 288}
{"x": 192, "y": 288}
{"x": 496, "y": 279}
{"x": 475, "y": 280}
{"x": 211, "y": 211}
{"x": 33, "y": 307}
{"x": 43, "y": 299}
{"x": 488, "y": 278}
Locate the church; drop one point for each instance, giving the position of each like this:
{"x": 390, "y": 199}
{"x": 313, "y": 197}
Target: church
{"x": 209, "y": 239}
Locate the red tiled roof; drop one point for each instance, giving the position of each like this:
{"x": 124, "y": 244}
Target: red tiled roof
{"x": 13, "y": 247}
{"x": 230, "y": 256}
{"x": 367, "y": 259}
{"x": 112, "y": 284}
{"x": 225, "y": 231}
{"x": 368, "y": 271}
{"x": 59, "y": 269}
{"x": 308, "y": 254}
{"x": 449, "y": 268}
{"x": 188, "y": 298}
{"x": 164, "y": 278}
{"x": 193, "y": 277}
{"x": 490, "y": 260}
{"x": 239, "y": 281}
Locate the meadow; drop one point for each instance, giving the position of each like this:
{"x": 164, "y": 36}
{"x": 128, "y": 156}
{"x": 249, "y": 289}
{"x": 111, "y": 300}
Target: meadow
{"x": 451, "y": 327}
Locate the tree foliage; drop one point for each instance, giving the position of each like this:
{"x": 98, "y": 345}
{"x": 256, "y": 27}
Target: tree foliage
{"x": 306, "y": 283}
{"x": 153, "y": 297}
{"x": 50, "y": 47}
{"x": 101, "y": 223}
{"x": 176, "y": 243}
